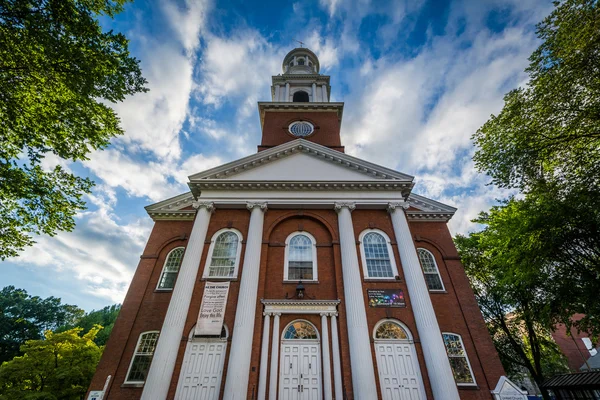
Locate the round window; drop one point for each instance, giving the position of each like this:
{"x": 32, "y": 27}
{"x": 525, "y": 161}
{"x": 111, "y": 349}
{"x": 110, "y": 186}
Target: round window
{"x": 301, "y": 128}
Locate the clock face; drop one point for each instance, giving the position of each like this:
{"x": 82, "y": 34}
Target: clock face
{"x": 301, "y": 128}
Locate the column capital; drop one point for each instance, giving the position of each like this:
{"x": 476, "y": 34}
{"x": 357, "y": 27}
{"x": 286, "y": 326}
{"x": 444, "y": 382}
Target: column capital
{"x": 267, "y": 314}
{"x": 397, "y": 204}
{"x": 276, "y": 314}
{"x": 344, "y": 204}
{"x": 209, "y": 205}
{"x": 251, "y": 205}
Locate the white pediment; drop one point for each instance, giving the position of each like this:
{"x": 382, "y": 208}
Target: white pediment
{"x": 301, "y": 160}
{"x": 302, "y": 167}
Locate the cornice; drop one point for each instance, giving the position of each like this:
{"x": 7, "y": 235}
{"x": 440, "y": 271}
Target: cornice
{"x": 286, "y": 106}
{"x": 289, "y": 77}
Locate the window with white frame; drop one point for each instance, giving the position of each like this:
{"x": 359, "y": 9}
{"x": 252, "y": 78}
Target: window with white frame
{"x": 300, "y": 257}
{"x": 142, "y": 357}
{"x": 457, "y": 355}
{"x": 170, "y": 269}
{"x": 430, "y": 270}
{"x": 377, "y": 256}
{"x": 224, "y": 254}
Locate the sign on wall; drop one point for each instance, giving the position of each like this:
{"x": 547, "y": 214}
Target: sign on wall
{"x": 386, "y": 298}
{"x": 212, "y": 309}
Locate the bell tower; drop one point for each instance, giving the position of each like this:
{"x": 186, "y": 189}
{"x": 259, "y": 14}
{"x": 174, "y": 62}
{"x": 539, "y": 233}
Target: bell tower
{"x": 300, "y": 106}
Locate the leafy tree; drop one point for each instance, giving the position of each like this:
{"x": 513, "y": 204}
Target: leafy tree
{"x": 521, "y": 295}
{"x": 24, "y": 317}
{"x": 105, "y": 317}
{"x": 59, "y": 367}
{"x": 59, "y": 72}
{"x": 547, "y": 136}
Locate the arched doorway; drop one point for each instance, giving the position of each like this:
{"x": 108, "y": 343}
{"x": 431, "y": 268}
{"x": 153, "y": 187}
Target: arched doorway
{"x": 300, "y": 366}
{"x": 300, "y": 97}
{"x": 202, "y": 368}
{"x": 399, "y": 372}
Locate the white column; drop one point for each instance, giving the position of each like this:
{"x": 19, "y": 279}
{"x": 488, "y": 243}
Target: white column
{"x": 264, "y": 356}
{"x": 326, "y": 358}
{"x": 324, "y": 89}
{"x": 161, "y": 369}
{"x": 276, "y": 93}
{"x": 287, "y": 92}
{"x": 337, "y": 365}
{"x": 236, "y": 384}
{"x": 363, "y": 374}
{"x": 274, "y": 358}
{"x": 314, "y": 92}
{"x": 434, "y": 351}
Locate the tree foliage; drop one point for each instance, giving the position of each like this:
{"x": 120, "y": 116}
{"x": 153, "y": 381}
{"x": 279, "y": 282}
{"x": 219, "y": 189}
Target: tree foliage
{"x": 105, "y": 317}
{"x": 24, "y": 317}
{"x": 60, "y": 366}
{"x": 59, "y": 72}
{"x": 547, "y": 136}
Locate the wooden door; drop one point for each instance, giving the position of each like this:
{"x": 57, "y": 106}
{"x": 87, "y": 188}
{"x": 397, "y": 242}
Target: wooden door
{"x": 399, "y": 373}
{"x": 300, "y": 370}
{"x": 202, "y": 370}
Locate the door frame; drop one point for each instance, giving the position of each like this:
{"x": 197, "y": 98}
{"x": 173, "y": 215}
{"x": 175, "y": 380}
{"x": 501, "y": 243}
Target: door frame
{"x": 316, "y": 341}
{"x": 408, "y": 341}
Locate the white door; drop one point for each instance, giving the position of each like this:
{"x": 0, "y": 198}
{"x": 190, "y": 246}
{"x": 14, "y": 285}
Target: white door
{"x": 300, "y": 370}
{"x": 202, "y": 369}
{"x": 399, "y": 373}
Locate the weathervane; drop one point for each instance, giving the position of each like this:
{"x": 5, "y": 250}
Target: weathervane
{"x": 301, "y": 43}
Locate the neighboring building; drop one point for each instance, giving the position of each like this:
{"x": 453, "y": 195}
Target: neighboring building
{"x": 577, "y": 347}
{"x": 338, "y": 281}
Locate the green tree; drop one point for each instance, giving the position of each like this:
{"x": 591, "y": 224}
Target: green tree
{"x": 547, "y": 136}
{"x": 59, "y": 72}
{"x": 59, "y": 367}
{"x": 24, "y": 317}
{"x": 521, "y": 295}
{"x": 105, "y": 317}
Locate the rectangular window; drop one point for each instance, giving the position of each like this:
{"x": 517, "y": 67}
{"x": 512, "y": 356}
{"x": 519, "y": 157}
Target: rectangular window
{"x": 463, "y": 375}
{"x": 140, "y": 363}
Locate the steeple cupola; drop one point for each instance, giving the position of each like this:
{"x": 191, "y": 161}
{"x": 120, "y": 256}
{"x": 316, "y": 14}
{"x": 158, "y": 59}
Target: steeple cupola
{"x": 300, "y": 106}
{"x": 301, "y": 81}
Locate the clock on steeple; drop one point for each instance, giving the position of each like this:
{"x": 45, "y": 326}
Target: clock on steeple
{"x": 300, "y": 106}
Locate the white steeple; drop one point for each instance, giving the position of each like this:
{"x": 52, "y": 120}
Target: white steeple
{"x": 301, "y": 81}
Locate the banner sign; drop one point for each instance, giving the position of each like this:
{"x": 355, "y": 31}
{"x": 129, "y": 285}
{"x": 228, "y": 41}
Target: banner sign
{"x": 386, "y": 298}
{"x": 212, "y": 309}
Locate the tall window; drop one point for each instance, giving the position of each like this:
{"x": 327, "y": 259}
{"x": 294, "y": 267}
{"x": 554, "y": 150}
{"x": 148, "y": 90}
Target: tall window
{"x": 140, "y": 362}
{"x": 224, "y": 254}
{"x": 461, "y": 368}
{"x": 300, "y": 257}
{"x": 430, "y": 270}
{"x": 300, "y": 97}
{"x": 377, "y": 256}
{"x": 170, "y": 269}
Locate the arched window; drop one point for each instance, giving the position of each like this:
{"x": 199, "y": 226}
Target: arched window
{"x": 430, "y": 270}
{"x": 300, "y": 257}
{"x": 301, "y": 330}
{"x": 300, "y": 97}
{"x": 142, "y": 357}
{"x": 170, "y": 269}
{"x": 224, "y": 254}
{"x": 377, "y": 256}
{"x": 461, "y": 367}
{"x": 301, "y": 61}
{"x": 389, "y": 329}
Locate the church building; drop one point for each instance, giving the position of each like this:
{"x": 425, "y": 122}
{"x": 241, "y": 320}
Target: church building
{"x": 299, "y": 272}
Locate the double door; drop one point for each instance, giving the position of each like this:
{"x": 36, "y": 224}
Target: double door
{"x": 202, "y": 370}
{"x": 300, "y": 370}
{"x": 399, "y": 373}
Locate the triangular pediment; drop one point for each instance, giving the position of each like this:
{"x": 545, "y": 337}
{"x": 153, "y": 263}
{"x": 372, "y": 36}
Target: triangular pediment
{"x": 301, "y": 160}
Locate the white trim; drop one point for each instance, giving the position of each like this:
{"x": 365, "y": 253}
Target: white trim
{"x": 363, "y": 258}
{"x": 205, "y": 274}
{"x": 394, "y": 321}
{"x": 134, "y": 355}
{"x": 163, "y": 270}
{"x": 443, "y": 289}
{"x": 466, "y": 357}
{"x": 312, "y": 128}
{"x": 286, "y": 306}
{"x": 314, "y": 257}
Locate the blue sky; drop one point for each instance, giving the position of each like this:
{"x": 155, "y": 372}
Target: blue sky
{"x": 418, "y": 79}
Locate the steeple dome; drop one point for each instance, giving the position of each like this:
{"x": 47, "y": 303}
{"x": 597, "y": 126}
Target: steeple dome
{"x": 300, "y": 61}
